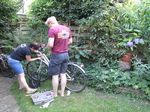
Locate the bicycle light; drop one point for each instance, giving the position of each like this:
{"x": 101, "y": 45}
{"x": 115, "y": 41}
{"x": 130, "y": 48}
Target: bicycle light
{"x": 42, "y": 45}
{"x": 82, "y": 66}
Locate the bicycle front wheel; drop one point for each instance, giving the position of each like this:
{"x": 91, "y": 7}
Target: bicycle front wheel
{"x": 76, "y": 78}
{"x": 37, "y": 70}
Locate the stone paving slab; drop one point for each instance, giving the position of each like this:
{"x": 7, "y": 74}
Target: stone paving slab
{"x": 7, "y": 101}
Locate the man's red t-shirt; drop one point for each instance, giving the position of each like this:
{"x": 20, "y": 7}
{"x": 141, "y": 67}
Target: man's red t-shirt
{"x": 61, "y": 35}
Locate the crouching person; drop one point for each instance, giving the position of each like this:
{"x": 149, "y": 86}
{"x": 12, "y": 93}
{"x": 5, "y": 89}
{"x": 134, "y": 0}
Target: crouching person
{"x": 23, "y": 52}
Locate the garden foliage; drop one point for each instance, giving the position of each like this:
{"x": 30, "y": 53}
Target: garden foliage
{"x": 8, "y": 22}
{"x": 108, "y": 29}
{"x": 135, "y": 83}
{"x": 107, "y": 25}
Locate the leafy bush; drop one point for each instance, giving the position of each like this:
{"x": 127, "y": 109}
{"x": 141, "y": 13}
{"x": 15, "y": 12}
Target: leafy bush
{"x": 113, "y": 24}
{"x": 8, "y": 10}
{"x": 64, "y": 10}
{"x": 111, "y": 79}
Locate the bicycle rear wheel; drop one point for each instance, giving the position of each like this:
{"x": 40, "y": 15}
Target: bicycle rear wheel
{"x": 6, "y": 70}
{"x": 37, "y": 70}
{"x": 76, "y": 78}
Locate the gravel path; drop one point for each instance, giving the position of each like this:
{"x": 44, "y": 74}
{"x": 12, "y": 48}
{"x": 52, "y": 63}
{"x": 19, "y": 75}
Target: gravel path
{"x": 7, "y": 101}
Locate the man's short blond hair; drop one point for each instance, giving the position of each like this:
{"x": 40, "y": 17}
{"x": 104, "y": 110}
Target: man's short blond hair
{"x": 51, "y": 19}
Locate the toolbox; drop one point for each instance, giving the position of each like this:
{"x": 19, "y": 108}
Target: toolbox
{"x": 40, "y": 98}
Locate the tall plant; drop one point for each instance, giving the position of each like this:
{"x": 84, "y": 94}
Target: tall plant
{"x": 68, "y": 10}
{"x": 8, "y": 10}
{"x": 102, "y": 28}
{"x": 114, "y": 23}
{"x": 143, "y": 13}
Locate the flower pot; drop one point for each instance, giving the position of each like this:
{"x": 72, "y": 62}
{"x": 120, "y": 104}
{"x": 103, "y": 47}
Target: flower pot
{"x": 127, "y": 57}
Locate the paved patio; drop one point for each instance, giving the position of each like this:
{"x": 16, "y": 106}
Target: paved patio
{"x": 7, "y": 102}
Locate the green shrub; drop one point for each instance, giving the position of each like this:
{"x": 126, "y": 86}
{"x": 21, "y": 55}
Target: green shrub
{"x": 111, "y": 79}
{"x": 8, "y": 23}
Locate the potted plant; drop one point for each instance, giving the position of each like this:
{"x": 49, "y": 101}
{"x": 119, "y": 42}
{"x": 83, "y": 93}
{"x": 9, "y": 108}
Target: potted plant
{"x": 130, "y": 41}
{"x": 130, "y": 45}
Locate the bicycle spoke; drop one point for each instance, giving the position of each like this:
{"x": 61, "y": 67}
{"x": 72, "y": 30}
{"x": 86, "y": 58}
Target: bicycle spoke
{"x": 77, "y": 82}
{"x": 37, "y": 70}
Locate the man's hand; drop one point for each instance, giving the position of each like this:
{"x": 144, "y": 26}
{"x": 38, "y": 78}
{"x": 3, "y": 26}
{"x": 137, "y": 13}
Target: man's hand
{"x": 36, "y": 51}
{"x": 39, "y": 58}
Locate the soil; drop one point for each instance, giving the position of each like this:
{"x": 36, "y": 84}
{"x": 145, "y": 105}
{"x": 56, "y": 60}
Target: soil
{"x": 7, "y": 101}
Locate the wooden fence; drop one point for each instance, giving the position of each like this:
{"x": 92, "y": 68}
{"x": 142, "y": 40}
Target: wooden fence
{"x": 76, "y": 33}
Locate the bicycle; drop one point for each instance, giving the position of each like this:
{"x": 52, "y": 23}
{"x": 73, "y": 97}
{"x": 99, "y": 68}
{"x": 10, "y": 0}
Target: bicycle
{"x": 5, "y": 69}
{"x": 76, "y": 76}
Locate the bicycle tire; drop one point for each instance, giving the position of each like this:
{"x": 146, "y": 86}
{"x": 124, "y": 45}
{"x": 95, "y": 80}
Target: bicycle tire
{"x": 36, "y": 72}
{"x": 6, "y": 70}
{"x": 78, "y": 78}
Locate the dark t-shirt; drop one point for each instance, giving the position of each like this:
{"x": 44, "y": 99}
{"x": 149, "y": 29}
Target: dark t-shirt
{"x": 20, "y": 52}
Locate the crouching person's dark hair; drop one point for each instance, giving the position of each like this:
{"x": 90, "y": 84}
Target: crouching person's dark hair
{"x": 34, "y": 45}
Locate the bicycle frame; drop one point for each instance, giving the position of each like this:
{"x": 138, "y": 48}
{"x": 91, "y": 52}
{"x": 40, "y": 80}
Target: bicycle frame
{"x": 44, "y": 59}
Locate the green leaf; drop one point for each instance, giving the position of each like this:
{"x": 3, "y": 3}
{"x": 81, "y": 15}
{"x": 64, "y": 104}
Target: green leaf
{"x": 131, "y": 48}
{"x": 128, "y": 30}
{"x": 135, "y": 87}
{"x": 77, "y": 56}
{"x": 135, "y": 34}
{"x": 139, "y": 31}
{"x": 116, "y": 82}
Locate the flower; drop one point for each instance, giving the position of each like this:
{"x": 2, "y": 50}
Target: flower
{"x": 137, "y": 40}
{"x": 134, "y": 43}
{"x": 130, "y": 44}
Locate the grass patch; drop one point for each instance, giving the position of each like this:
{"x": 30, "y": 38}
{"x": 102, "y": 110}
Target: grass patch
{"x": 86, "y": 101}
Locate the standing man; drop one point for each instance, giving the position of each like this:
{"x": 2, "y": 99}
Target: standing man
{"x": 59, "y": 37}
{"x": 23, "y": 52}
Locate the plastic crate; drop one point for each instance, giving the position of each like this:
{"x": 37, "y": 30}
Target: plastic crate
{"x": 40, "y": 98}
